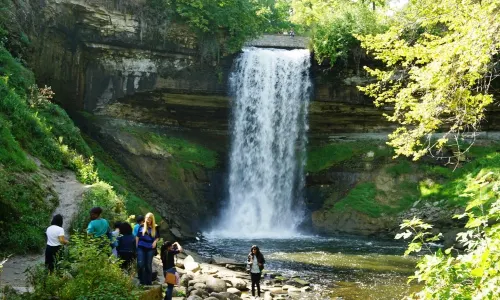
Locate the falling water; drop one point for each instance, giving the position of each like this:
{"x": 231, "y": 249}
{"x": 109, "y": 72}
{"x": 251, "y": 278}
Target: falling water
{"x": 271, "y": 93}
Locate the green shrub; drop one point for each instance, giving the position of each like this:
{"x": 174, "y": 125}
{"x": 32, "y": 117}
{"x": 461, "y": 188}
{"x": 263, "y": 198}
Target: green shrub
{"x": 83, "y": 272}
{"x": 362, "y": 199}
{"x": 18, "y": 76}
{"x": 403, "y": 167}
{"x": 12, "y": 157}
{"x": 100, "y": 194}
{"x": 26, "y": 209}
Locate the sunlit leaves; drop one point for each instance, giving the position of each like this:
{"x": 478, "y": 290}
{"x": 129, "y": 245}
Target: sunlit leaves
{"x": 440, "y": 59}
{"x": 470, "y": 274}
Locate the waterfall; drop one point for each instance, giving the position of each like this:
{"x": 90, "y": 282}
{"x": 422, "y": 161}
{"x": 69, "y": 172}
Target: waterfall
{"x": 271, "y": 90}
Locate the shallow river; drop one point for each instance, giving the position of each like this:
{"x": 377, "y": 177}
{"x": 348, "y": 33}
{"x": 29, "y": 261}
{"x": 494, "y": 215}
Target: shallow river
{"x": 344, "y": 267}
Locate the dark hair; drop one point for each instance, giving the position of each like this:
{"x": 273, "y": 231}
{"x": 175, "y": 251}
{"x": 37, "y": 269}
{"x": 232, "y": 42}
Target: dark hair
{"x": 168, "y": 244}
{"x": 125, "y": 228}
{"x": 117, "y": 224}
{"x": 96, "y": 210}
{"x": 57, "y": 220}
{"x": 255, "y": 247}
{"x": 139, "y": 219}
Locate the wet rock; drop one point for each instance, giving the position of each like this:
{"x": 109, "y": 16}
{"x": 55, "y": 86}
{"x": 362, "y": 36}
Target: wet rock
{"x": 234, "y": 291}
{"x": 240, "y": 284}
{"x": 185, "y": 280}
{"x": 194, "y": 297}
{"x": 216, "y": 285}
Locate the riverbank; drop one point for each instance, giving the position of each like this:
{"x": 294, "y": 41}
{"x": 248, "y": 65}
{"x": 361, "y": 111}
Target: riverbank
{"x": 224, "y": 278}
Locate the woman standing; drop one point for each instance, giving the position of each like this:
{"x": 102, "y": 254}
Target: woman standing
{"x": 126, "y": 246}
{"x": 146, "y": 240}
{"x": 256, "y": 263}
{"x": 55, "y": 240}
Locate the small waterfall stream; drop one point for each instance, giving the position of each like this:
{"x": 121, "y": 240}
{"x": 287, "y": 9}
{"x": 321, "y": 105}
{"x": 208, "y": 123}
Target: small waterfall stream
{"x": 271, "y": 90}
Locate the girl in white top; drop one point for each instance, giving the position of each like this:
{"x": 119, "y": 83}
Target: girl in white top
{"x": 55, "y": 240}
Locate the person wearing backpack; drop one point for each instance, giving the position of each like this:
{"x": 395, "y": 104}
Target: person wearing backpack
{"x": 255, "y": 263}
{"x": 146, "y": 240}
{"x": 167, "y": 253}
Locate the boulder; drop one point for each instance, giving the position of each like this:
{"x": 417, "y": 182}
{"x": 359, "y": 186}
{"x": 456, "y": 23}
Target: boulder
{"x": 200, "y": 286}
{"x": 267, "y": 296}
{"x": 185, "y": 280}
{"x": 216, "y": 285}
{"x": 230, "y": 296}
{"x": 194, "y": 297}
{"x": 190, "y": 265}
{"x": 234, "y": 291}
{"x": 238, "y": 283}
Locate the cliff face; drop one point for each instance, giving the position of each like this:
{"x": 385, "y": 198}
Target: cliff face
{"x": 110, "y": 58}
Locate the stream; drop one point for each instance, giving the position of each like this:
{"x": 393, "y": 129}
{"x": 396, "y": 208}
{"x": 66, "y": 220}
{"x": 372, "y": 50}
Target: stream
{"x": 340, "y": 267}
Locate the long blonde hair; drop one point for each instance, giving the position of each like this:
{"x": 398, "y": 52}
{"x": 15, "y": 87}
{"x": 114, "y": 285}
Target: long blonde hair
{"x": 153, "y": 224}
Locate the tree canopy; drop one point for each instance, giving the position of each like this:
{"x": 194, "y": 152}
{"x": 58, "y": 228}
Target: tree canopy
{"x": 440, "y": 58}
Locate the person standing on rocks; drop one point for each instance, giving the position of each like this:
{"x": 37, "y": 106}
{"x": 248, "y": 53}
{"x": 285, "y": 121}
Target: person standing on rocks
{"x": 168, "y": 253}
{"x": 256, "y": 264}
{"x": 146, "y": 240}
{"x": 55, "y": 240}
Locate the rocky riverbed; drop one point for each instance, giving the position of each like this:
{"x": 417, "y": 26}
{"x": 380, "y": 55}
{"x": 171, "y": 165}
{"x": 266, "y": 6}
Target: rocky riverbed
{"x": 222, "y": 279}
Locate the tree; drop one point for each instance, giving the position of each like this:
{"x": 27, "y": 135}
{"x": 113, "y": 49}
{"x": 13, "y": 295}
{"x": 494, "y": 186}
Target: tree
{"x": 441, "y": 58}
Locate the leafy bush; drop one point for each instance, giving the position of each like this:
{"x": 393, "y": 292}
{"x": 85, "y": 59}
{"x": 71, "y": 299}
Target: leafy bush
{"x": 12, "y": 156}
{"x": 475, "y": 273}
{"x": 83, "y": 271}
{"x": 100, "y": 194}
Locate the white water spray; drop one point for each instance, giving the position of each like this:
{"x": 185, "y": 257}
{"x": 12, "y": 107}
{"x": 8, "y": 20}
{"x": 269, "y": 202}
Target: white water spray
{"x": 271, "y": 94}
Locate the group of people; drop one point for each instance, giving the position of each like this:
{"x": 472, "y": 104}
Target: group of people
{"x": 128, "y": 244}
{"x": 138, "y": 243}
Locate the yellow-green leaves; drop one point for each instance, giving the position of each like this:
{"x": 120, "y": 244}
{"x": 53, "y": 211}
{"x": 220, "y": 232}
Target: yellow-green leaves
{"x": 440, "y": 58}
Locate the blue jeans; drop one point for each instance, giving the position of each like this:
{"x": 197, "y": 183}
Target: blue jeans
{"x": 170, "y": 287}
{"x": 145, "y": 265}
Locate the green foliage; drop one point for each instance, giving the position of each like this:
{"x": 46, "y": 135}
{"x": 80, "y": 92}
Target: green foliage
{"x": 12, "y": 156}
{"x": 402, "y": 167}
{"x": 335, "y": 154}
{"x": 18, "y": 76}
{"x": 440, "y": 58}
{"x": 444, "y": 183}
{"x": 26, "y": 208}
{"x": 226, "y": 23}
{"x": 364, "y": 198}
{"x": 100, "y": 194}
{"x": 125, "y": 184}
{"x": 188, "y": 155}
{"x": 83, "y": 271}
{"x": 475, "y": 273}
{"x": 334, "y": 37}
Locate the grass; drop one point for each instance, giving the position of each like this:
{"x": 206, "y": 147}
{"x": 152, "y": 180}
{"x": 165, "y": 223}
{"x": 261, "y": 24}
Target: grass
{"x": 189, "y": 155}
{"x": 345, "y": 153}
{"x": 402, "y": 167}
{"x": 12, "y": 155}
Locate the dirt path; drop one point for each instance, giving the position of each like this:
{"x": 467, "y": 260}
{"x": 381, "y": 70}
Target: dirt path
{"x": 70, "y": 191}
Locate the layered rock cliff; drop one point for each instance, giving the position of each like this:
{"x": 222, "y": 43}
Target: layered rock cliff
{"x": 129, "y": 70}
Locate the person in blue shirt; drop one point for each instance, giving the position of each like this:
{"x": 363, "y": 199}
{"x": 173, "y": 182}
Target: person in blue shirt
{"x": 98, "y": 226}
{"x": 139, "y": 221}
{"x": 126, "y": 247}
{"x": 146, "y": 240}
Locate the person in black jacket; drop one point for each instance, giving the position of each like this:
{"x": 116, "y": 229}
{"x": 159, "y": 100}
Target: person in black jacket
{"x": 256, "y": 265}
{"x": 167, "y": 253}
{"x": 126, "y": 247}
